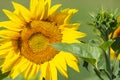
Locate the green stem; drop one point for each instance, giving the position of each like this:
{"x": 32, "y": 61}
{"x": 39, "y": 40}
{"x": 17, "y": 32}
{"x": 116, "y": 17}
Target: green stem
{"x": 108, "y": 62}
{"x": 98, "y": 73}
{"x": 108, "y": 66}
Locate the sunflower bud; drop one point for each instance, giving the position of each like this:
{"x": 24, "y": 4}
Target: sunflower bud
{"x": 105, "y": 22}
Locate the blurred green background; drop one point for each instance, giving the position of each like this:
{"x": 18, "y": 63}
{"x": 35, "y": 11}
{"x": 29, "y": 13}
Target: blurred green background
{"x": 85, "y": 7}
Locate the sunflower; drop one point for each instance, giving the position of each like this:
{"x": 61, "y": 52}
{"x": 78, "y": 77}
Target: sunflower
{"x": 26, "y": 38}
{"x": 115, "y": 35}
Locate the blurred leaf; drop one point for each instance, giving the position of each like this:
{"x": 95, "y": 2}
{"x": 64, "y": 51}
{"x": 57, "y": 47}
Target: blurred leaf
{"x": 19, "y": 77}
{"x": 37, "y": 76}
{"x": 7, "y": 79}
{"x": 60, "y": 76}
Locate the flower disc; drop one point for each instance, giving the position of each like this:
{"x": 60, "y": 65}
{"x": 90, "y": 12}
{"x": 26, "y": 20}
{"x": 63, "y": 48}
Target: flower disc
{"x": 36, "y": 41}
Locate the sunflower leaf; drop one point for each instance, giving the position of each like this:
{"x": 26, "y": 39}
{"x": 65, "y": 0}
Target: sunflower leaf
{"x": 19, "y": 77}
{"x": 107, "y": 44}
{"x": 94, "y": 42}
{"x": 116, "y": 69}
{"x": 88, "y": 53}
{"x": 7, "y": 79}
{"x": 37, "y": 76}
{"x": 89, "y": 60}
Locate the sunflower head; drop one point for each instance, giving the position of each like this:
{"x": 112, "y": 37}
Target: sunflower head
{"x": 115, "y": 47}
{"x": 27, "y": 36}
{"x": 114, "y": 51}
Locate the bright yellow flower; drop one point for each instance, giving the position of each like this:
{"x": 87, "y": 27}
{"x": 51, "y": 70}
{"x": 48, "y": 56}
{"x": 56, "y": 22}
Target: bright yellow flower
{"x": 25, "y": 41}
{"x": 116, "y": 34}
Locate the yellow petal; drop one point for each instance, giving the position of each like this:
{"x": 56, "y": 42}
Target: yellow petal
{"x": 70, "y": 56}
{"x": 24, "y": 12}
{"x": 58, "y": 18}
{"x": 70, "y": 13}
{"x": 33, "y": 72}
{"x": 112, "y": 53}
{"x": 3, "y": 53}
{"x": 54, "y": 8}
{"x": 40, "y": 9}
{"x": 60, "y": 64}
{"x": 9, "y": 34}
{"x": 71, "y": 61}
{"x": 11, "y": 25}
{"x": 71, "y": 26}
{"x": 13, "y": 17}
{"x": 28, "y": 70}
{"x": 63, "y": 16}
{"x": 73, "y": 64}
{"x": 71, "y": 36}
{"x": 48, "y": 2}
{"x": 53, "y": 71}
{"x": 48, "y": 73}
{"x": 33, "y": 7}
{"x": 45, "y": 14}
{"x": 43, "y": 70}
{"x": 6, "y": 45}
{"x": 20, "y": 67}
{"x": 10, "y": 60}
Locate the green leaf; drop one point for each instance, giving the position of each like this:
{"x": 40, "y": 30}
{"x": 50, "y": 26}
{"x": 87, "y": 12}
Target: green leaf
{"x": 94, "y": 55}
{"x": 20, "y": 77}
{"x": 98, "y": 73}
{"x": 7, "y": 79}
{"x": 116, "y": 68}
{"x": 107, "y": 44}
{"x": 73, "y": 48}
{"x": 37, "y": 76}
{"x": 84, "y": 51}
{"x": 94, "y": 42}
{"x": 89, "y": 60}
{"x": 101, "y": 63}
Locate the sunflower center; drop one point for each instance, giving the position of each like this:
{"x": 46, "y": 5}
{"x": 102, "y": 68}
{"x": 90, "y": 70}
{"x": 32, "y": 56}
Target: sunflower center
{"x": 36, "y": 38}
{"x": 38, "y": 42}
